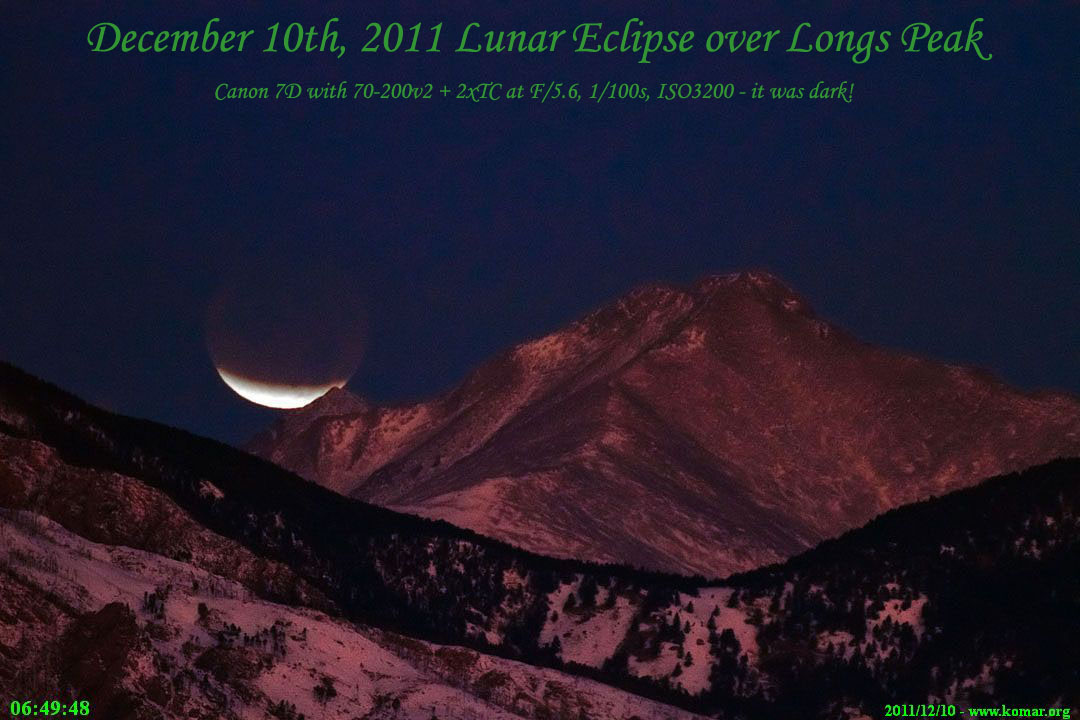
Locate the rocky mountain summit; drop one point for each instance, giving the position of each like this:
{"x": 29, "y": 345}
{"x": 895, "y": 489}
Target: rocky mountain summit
{"x": 703, "y": 430}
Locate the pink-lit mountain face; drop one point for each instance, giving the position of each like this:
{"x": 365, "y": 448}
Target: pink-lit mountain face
{"x": 707, "y": 430}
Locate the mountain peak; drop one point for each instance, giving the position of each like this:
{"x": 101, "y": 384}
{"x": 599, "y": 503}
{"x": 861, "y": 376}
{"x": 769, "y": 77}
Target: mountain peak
{"x": 661, "y": 426}
{"x": 762, "y": 285}
{"x": 335, "y": 401}
{"x": 654, "y": 297}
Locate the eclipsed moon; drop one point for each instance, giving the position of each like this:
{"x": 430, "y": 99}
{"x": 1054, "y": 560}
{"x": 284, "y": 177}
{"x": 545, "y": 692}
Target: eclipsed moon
{"x": 277, "y": 396}
{"x": 282, "y": 334}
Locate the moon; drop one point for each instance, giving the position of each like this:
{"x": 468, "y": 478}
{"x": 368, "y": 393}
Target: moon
{"x": 282, "y": 332}
{"x": 283, "y": 397}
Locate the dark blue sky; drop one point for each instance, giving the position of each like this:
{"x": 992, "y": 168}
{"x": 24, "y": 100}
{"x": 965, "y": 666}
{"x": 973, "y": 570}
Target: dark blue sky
{"x": 938, "y": 212}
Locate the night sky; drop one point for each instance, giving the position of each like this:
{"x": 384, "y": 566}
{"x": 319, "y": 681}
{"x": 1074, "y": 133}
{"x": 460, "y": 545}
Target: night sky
{"x": 938, "y": 212}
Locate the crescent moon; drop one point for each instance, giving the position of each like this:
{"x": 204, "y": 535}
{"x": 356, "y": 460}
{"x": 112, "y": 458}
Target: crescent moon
{"x": 285, "y": 397}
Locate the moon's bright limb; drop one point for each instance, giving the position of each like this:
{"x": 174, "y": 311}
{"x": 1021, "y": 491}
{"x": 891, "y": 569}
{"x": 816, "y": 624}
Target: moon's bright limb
{"x": 276, "y": 396}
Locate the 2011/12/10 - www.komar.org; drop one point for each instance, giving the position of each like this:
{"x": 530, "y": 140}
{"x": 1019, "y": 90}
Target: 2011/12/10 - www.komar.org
{"x": 921, "y": 710}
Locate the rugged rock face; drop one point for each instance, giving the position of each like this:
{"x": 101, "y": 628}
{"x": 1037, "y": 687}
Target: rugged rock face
{"x": 101, "y": 653}
{"x": 707, "y": 430}
{"x": 112, "y": 508}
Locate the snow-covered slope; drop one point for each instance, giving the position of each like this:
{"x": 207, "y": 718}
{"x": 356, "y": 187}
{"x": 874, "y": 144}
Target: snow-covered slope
{"x": 706, "y": 430}
{"x": 188, "y": 643}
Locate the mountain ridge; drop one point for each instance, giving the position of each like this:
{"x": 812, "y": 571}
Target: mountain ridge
{"x": 685, "y": 416}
